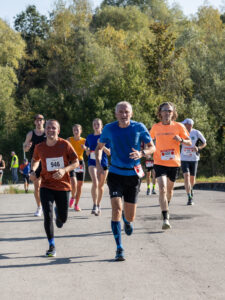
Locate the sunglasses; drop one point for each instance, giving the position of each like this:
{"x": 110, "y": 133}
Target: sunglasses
{"x": 167, "y": 110}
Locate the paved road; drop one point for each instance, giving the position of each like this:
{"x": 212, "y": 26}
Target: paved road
{"x": 187, "y": 262}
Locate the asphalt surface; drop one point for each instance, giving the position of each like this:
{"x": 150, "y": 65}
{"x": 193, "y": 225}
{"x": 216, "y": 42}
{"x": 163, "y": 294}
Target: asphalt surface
{"x": 186, "y": 262}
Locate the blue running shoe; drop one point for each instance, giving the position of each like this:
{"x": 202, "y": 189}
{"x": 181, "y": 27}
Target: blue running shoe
{"x": 128, "y": 227}
{"x": 51, "y": 251}
{"x": 119, "y": 255}
{"x": 58, "y": 222}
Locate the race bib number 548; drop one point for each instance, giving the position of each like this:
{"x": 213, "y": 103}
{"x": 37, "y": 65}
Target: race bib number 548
{"x": 54, "y": 163}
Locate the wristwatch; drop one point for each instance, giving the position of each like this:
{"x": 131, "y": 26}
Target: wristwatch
{"x": 143, "y": 153}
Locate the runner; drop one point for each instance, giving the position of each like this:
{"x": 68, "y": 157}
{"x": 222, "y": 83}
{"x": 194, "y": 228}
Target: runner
{"x": 33, "y": 138}
{"x": 57, "y": 158}
{"x": 77, "y": 175}
{"x": 98, "y": 179}
{"x": 14, "y": 167}
{"x": 190, "y": 157}
{"x": 168, "y": 136}
{"x": 125, "y": 137}
{"x": 2, "y": 167}
{"x": 149, "y": 163}
{"x": 25, "y": 171}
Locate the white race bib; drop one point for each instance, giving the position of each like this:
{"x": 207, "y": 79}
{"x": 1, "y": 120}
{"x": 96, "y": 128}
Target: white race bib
{"x": 92, "y": 155}
{"x": 54, "y": 163}
{"x": 188, "y": 151}
{"x": 167, "y": 154}
{"x": 80, "y": 169}
{"x": 139, "y": 171}
{"x": 149, "y": 163}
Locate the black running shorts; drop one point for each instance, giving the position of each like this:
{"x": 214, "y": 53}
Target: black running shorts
{"x": 171, "y": 172}
{"x": 124, "y": 186}
{"x": 189, "y": 167}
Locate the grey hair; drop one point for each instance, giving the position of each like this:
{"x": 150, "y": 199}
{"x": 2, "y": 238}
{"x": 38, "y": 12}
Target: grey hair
{"x": 125, "y": 103}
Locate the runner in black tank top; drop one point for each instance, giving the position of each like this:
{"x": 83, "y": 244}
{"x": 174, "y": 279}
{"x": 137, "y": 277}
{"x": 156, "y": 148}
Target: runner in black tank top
{"x": 33, "y": 138}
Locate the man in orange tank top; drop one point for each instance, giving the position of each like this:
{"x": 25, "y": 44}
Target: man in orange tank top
{"x": 168, "y": 136}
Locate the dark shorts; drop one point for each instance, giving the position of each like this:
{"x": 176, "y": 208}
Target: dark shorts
{"x": 26, "y": 178}
{"x": 189, "y": 167}
{"x": 78, "y": 175}
{"x": 38, "y": 171}
{"x": 124, "y": 186}
{"x": 149, "y": 169}
{"x": 171, "y": 172}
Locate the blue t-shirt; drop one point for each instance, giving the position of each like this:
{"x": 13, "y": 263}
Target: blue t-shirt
{"x": 121, "y": 141}
{"x": 26, "y": 170}
{"x": 91, "y": 142}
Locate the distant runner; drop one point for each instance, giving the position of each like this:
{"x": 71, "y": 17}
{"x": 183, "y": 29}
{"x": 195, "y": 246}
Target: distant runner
{"x": 33, "y": 138}
{"x": 77, "y": 175}
{"x": 190, "y": 157}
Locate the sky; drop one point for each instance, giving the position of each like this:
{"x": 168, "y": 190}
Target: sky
{"x": 10, "y": 8}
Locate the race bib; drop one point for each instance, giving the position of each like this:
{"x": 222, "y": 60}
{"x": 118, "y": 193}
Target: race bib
{"x": 149, "y": 163}
{"x": 54, "y": 163}
{"x": 188, "y": 151}
{"x": 139, "y": 171}
{"x": 167, "y": 154}
{"x": 92, "y": 155}
{"x": 80, "y": 169}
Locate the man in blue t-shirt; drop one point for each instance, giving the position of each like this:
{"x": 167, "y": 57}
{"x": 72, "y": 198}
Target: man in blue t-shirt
{"x": 125, "y": 137}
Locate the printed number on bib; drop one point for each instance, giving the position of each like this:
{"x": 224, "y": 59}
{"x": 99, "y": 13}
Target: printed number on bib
{"x": 92, "y": 155}
{"x": 149, "y": 163}
{"x": 167, "y": 154}
{"x": 139, "y": 171}
{"x": 188, "y": 151}
{"x": 54, "y": 163}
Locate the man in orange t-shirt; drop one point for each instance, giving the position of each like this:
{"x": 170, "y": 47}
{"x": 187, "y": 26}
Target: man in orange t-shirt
{"x": 57, "y": 158}
{"x": 168, "y": 136}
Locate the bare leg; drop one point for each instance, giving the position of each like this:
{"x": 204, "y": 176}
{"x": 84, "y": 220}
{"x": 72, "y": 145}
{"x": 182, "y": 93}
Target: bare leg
{"x": 162, "y": 182}
{"x": 73, "y": 182}
{"x": 94, "y": 189}
{"x": 170, "y": 185}
{"x": 130, "y": 211}
{"x": 79, "y": 188}
{"x": 187, "y": 182}
{"x": 101, "y": 182}
{"x": 37, "y": 184}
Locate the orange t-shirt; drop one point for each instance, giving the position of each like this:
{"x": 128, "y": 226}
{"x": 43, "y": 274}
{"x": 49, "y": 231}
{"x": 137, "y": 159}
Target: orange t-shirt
{"x": 77, "y": 146}
{"x": 52, "y": 158}
{"x": 167, "y": 149}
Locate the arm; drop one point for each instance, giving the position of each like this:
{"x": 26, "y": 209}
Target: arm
{"x": 186, "y": 141}
{"x": 61, "y": 172}
{"x": 107, "y": 151}
{"x": 149, "y": 149}
{"x": 98, "y": 156}
{"x": 27, "y": 144}
{"x": 34, "y": 166}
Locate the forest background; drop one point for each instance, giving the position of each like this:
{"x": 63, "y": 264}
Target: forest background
{"x": 75, "y": 64}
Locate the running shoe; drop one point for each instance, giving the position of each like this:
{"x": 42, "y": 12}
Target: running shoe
{"x": 38, "y": 213}
{"x": 98, "y": 211}
{"x": 77, "y": 208}
{"x": 119, "y": 255}
{"x": 153, "y": 192}
{"x": 190, "y": 201}
{"x": 166, "y": 224}
{"x": 148, "y": 192}
{"x": 71, "y": 202}
{"x": 128, "y": 227}
{"x": 58, "y": 222}
{"x": 94, "y": 209}
{"x": 51, "y": 251}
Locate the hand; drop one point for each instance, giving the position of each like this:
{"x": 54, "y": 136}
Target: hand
{"x": 59, "y": 173}
{"x": 28, "y": 146}
{"x": 177, "y": 138}
{"x": 33, "y": 176}
{"x": 83, "y": 147}
{"x": 195, "y": 148}
{"x": 135, "y": 154}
